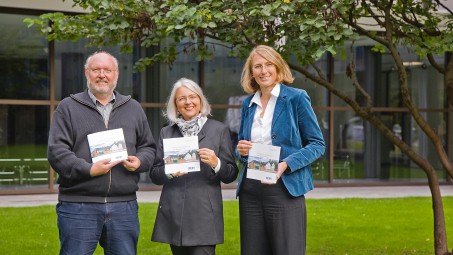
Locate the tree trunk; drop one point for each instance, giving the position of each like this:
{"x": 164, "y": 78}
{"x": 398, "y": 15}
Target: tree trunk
{"x": 440, "y": 233}
{"x": 448, "y": 79}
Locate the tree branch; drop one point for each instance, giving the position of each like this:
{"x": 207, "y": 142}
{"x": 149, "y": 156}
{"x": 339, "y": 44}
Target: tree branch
{"x": 360, "y": 30}
{"x": 351, "y": 73}
{"x": 434, "y": 63}
{"x": 444, "y": 6}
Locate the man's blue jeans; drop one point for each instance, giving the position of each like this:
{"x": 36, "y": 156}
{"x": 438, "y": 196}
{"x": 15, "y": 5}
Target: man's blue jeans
{"x": 114, "y": 225}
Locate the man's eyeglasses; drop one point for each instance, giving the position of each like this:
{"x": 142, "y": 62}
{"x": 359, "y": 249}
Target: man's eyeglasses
{"x": 183, "y": 100}
{"x": 100, "y": 70}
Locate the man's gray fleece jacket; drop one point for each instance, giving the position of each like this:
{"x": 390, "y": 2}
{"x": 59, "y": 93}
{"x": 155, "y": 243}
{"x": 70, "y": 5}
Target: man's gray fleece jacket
{"x": 69, "y": 153}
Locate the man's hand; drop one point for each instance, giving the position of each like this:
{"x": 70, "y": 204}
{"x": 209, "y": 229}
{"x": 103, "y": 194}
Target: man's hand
{"x": 102, "y": 167}
{"x": 132, "y": 163}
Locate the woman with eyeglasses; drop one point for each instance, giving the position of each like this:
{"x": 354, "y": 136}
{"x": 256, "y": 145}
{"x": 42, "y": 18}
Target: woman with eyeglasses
{"x": 190, "y": 212}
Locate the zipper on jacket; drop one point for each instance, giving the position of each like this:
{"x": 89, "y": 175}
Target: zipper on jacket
{"x": 94, "y": 108}
{"x": 107, "y": 127}
{"x": 111, "y": 111}
{"x": 110, "y": 172}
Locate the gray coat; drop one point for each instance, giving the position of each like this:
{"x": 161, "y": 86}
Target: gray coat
{"x": 190, "y": 210}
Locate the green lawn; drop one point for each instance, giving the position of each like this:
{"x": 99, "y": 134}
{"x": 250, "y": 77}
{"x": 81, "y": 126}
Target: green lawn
{"x": 335, "y": 226}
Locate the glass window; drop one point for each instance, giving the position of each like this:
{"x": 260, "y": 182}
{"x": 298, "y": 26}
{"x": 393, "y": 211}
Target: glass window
{"x": 156, "y": 120}
{"x": 223, "y": 78}
{"x": 340, "y": 79}
{"x": 349, "y": 145}
{"x": 23, "y": 146}
{"x": 421, "y": 76}
{"x": 361, "y": 153}
{"x": 160, "y": 79}
{"x": 70, "y": 78}
{"x": 398, "y": 167}
{"x": 318, "y": 94}
{"x": 320, "y": 168}
{"x": 24, "y": 61}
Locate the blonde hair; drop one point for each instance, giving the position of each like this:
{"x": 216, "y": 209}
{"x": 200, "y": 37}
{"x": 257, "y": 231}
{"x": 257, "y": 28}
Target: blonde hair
{"x": 284, "y": 74}
{"x": 171, "y": 112}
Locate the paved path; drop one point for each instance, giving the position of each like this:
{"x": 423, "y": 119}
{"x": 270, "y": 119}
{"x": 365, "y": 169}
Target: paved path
{"x": 229, "y": 194}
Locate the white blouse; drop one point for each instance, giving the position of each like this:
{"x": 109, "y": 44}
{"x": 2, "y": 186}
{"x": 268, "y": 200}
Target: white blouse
{"x": 261, "y": 126}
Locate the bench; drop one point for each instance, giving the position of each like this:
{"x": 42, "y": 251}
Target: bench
{"x": 36, "y": 176}
{"x": 7, "y": 176}
{"x": 343, "y": 167}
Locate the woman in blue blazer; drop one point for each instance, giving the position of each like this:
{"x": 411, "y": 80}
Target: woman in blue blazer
{"x": 273, "y": 216}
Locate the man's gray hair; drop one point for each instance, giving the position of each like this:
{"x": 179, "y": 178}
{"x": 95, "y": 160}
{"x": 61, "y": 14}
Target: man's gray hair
{"x": 87, "y": 62}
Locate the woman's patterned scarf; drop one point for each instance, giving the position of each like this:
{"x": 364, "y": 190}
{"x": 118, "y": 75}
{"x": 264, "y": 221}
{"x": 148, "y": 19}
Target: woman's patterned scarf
{"x": 189, "y": 128}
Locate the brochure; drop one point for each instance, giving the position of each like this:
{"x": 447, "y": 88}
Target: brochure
{"x": 263, "y": 162}
{"x": 108, "y": 144}
{"x": 180, "y": 154}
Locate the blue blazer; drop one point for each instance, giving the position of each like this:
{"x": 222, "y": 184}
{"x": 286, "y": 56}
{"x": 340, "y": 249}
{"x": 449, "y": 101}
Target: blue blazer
{"x": 295, "y": 129}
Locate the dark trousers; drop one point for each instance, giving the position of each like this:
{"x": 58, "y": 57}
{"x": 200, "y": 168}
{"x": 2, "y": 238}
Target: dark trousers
{"x": 272, "y": 222}
{"x": 193, "y": 250}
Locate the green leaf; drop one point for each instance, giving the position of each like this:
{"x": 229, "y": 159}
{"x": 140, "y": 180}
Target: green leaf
{"x": 124, "y": 24}
{"x": 315, "y": 37}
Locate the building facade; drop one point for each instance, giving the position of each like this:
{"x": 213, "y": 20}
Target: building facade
{"x": 36, "y": 74}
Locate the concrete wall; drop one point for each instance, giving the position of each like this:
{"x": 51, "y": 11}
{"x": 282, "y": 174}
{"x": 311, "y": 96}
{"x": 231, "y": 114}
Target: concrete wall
{"x": 49, "y": 5}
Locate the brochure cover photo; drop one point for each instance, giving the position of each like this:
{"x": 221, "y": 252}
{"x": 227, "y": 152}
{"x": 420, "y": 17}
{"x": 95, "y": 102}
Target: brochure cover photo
{"x": 263, "y": 162}
{"x": 108, "y": 144}
{"x": 180, "y": 154}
